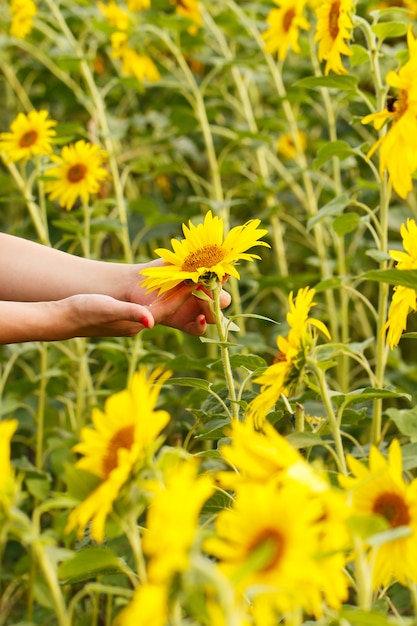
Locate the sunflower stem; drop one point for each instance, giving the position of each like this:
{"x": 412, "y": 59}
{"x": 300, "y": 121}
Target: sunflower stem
{"x": 222, "y": 334}
{"x": 334, "y": 426}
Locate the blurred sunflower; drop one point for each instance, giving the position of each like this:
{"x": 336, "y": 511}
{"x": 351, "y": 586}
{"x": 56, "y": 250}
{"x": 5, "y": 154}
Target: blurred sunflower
{"x": 30, "y": 136}
{"x": 283, "y": 376}
{"x": 398, "y": 155}
{"x": 172, "y": 521}
{"x": 284, "y": 25}
{"x": 381, "y": 490}
{"x": 268, "y": 540}
{"x": 191, "y": 10}
{"x": 404, "y": 299}
{"x": 7, "y": 481}
{"x": 77, "y": 173}
{"x": 286, "y": 146}
{"x": 138, "y": 5}
{"x": 123, "y": 435}
{"x": 204, "y": 255}
{"x": 333, "y": 29}
{"x": 149, "y": 606}
{"x": 22, "y": 12}
{"x": 115, "y": 15}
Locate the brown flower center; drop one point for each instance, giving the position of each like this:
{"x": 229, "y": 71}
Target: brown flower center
{"x": 122, "y": 438}
{"x": 287, "y": 19}
{"x": 28, "y": 139}
{"x": 334, "y": 20}
{"x": 269, "y": 545}
{"x": 393, "y": 508}
{"x": 76, "y": 172}
{"x": 207, "y": 256}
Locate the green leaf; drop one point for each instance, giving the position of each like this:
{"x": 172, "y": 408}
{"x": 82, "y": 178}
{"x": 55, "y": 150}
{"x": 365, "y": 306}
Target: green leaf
{"x": 365, "y": 526}
{"x": 385, "y": 30}
{"x": 367, "y": 394}
{"x": 360, "y": 55}
{"x": 304, "y": 440}
{"x": 346, "y": 223}
{"x": 343, "y": 83}
{"x": 405, "y": 420}
{"x": 197, "y": 383}
{"x": 339, "y": 149}
{"x": 389, "y": 535}
{"x": 79, "y": 482}
{"x": 331, "y": 209}
{"x": 89, "y": 563}
{"x": 360, "y": 617}
{"x": 406, "y": 278}
{"x": 252, "y": 362}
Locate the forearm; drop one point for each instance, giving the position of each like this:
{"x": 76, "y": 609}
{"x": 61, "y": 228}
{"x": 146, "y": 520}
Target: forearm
{"x": 31, "y": 272}
{"x": 32, "y": 321}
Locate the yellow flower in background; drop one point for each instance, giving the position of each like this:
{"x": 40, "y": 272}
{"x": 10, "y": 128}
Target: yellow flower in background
{"x": 381, "y": 490}
{"x": 286, "y": 146}
{"x": 133, "y": 64}
{"x": 283, "y": 376}
{"x": 172, "y": 521}
{"x": 140, "y": 66}
{"x": 121, "y": 437}
{"x": 30, "y": 136}
{"x": 22, "y": 12}
{"x": 77, "y": 173}
{"x": 191, "y": 10}
{"x": 268, "y": 541}
{"x": 7, "y": 479}
{"x": 334, "y": 29}
{"x": 284, "y": 25}
{"x": 204, "y": 254}
{"x": 256, "y": 456}
{"x": 149, "y": 607}
{"x": 398, "y": 155}
{"x": 115, "y": 15}
{"x": 138, "y": 5}
{"x": 403, "y": 298}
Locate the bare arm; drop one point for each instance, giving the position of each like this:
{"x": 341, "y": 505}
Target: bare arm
{"x": 47, "y": 294}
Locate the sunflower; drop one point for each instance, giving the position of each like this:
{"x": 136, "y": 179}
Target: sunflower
{"x": 140, "y": 66}
{"x": 398, "y": 155}
{"x": 115, "y": 15}
{"x": 381, "y": 490}
{"x": 286, "y": 146}
{"x": 334, "y": 28}
{"x": 404, "y": 299}
{"x": 77, "y": 173}
{"x": 172, "y": 521}
{"x": 269, "y": 539}
{"x": 148, "y": 606}
{"x": 7, "y": 482}
{"x": 30, "y": 136}
{"x": 284, "y": 26}
{"x": 138, "y": 5}
{"x": 204, "y": 254}
{"x": 122, "y": 436}
{"x": 22, "y": 12}
{"x": 189, "y": 9}
{"x": 283, "y": 376}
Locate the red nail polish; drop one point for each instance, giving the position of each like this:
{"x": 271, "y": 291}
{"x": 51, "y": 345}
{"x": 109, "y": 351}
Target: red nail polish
{"x": 203, "y": 321}
{"x": 144, "y": 321}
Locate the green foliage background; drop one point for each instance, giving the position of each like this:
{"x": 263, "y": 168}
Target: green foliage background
{"x": 205, "y": 137}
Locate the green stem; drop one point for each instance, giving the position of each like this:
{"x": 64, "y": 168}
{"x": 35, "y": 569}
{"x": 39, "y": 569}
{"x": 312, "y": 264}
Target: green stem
{"x": 40, "y": 413}
{"x": 334, "y": 426}
{"x": 100, "y": 113}
{"x": 219, "y": 318}
{"x": 49, "y": 570}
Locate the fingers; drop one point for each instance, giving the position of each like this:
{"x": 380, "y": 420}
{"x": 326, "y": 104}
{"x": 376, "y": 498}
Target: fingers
{"x": 197, "y": 327}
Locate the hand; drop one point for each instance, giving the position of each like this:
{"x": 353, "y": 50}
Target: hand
{"x": 94, "y": 315}
{"x": 178, "y": 307}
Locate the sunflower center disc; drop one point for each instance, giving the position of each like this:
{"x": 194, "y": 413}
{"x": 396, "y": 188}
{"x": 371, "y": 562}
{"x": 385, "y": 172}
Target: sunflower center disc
{"x": 207, "y": 256}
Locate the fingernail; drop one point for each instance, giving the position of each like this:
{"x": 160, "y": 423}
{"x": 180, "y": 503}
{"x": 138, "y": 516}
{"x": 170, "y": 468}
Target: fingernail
{"x": 203, "y": 321}
{"x": 144, "y": 321}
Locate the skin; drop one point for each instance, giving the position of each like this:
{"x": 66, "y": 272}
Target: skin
{"x": 49, "y": 295}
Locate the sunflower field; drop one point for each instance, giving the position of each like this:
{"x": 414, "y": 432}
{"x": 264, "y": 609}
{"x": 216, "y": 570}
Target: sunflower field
{"x": 264, "y": 472}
